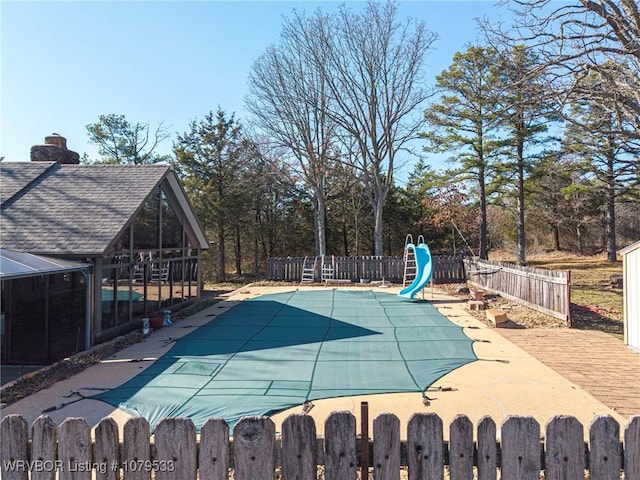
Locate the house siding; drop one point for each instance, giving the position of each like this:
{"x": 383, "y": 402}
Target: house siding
{"x": 631, "y": 271}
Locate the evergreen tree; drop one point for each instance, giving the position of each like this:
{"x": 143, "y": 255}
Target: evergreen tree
{"x": 604, "y": 152}
{"x": 211, "y": 158}
{"x": 121, "y": 142}
{"x": 465, "y": 122}
{"x": 525, "y": 116}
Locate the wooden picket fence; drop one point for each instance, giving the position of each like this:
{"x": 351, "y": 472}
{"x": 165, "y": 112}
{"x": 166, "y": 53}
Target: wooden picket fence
{"x": 446, "y": 269}
{"x": 548, "y": 291}
{"x": 257, "y": 453}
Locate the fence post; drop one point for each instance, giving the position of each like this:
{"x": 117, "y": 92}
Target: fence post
{"x": 564, "y": 452}
{"x": 74, "y": 449}
{"x": 254, "y": 446}
{"x": 14, "y": 432}
{"x": 213, "y": 459}
{"x": 604, "y": 448}
{"x": 520, "y": 448}
{"x": 299, "y": 448}
{"x": 425, "y": 447}
{"x": 461, "y": 448}
{"x": 487, "y": 449}
{"x": 632, "y": 447}
{"x": 136, "y": 448}
{"x": 43, "y": 447}
{"x": 176, "y": 448}
{"x": 106, "y": 450}
{"x": 340, "y": 457}
{"x": 386, "y": 447}
{"x": 364, "y": 439}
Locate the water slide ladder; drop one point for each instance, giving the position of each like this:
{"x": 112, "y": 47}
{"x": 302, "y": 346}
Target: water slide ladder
{"x": 410, "y": 267}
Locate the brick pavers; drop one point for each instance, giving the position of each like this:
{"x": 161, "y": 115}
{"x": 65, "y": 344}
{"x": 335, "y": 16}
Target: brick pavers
{"x": 597, "y": 362}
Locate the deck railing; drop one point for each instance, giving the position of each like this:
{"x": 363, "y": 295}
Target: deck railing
{"x": 257, "y": 453}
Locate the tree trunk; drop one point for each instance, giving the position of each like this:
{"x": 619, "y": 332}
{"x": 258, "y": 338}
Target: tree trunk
{"x": 320, "y": 224}
{"x": 611, "y": 204}
{"x": 256, "y": 245}
{"x": 238, "y": 250}
{"x": 522, "y": 243}
{"x": 378, "y": 229}
{"x": 345, "y": 238}
{"x": 221, "y": 276}
{"x": 483, "y": 254}
{"x": 556, "y": 236}
{"x": 580, "y": 241}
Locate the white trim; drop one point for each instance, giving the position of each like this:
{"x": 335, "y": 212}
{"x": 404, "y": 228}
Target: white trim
{"x": 630, "y": 248}
{"x": 185, "y": 206}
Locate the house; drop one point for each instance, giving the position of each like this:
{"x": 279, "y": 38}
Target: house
{"x": 631, "y": 283}
{"x": 125, "y": 240}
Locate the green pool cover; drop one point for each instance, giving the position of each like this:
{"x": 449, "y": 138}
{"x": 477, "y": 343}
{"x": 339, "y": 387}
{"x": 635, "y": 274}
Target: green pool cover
{"x": 277, "y": 351}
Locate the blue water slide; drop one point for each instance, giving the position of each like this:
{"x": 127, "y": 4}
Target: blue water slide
{"x": 424, "y": 269}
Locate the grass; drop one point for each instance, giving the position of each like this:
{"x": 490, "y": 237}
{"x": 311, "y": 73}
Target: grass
{"x": 596, "y": 305}
{"x": 590, "y": 279}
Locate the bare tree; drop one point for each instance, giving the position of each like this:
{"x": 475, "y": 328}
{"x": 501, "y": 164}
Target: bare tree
{"x": 577, "y": 40}
{"x": 289, "y": 100}
{"x": 372, "y": 65}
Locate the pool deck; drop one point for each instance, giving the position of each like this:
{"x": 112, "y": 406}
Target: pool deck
{"x": 595, "y": 361}
{"x": 536, "y": 372}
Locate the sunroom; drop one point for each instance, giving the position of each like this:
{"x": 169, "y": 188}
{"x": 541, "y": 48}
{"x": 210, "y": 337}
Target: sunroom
{"x": 132, "y": 225}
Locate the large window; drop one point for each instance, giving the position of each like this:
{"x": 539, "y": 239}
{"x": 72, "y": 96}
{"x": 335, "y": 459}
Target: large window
{"x": 44, "y": 318}
{"x": 152, "y": 266}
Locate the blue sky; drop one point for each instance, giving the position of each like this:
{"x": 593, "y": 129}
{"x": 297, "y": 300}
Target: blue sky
{"x": 66, "y": 63}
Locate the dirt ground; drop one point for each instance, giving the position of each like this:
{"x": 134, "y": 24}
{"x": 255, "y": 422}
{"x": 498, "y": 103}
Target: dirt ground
{"x": 596, "y": 304}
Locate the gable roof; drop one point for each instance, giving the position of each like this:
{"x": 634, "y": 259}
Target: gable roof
{"x": 629, "y": 248}
{"x": 14, "y": 180}
{"x": 76, "y": 209}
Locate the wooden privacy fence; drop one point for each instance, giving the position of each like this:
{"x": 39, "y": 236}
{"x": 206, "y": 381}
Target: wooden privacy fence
{"x": 548, "y": 291}
{"x": 446, "y": 269}
{"x": 257, "y": 453}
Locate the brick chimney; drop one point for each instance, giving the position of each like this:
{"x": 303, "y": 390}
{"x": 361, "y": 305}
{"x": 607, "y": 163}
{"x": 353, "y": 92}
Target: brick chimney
{"x": 54, "y": 150}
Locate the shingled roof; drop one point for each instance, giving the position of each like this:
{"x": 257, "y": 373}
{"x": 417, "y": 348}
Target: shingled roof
{"x": 16, "y": 179}
{"x": 54, "y": 209}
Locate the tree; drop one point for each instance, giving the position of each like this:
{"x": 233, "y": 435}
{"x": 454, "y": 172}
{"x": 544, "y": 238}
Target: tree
{"x": 576, "y": 40}
{"x": 465, "y": 119}
{"x": 289, "y": 100}
{"x": 121, "y": 142}
{"x": 525, "y": 117}
{"x": 604, "y": 153}
{"x": 372, "y": 65}
{"x": 563, "y": 200}
{"x": 212, "y": 158}
{"x": 449, "y": 208}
